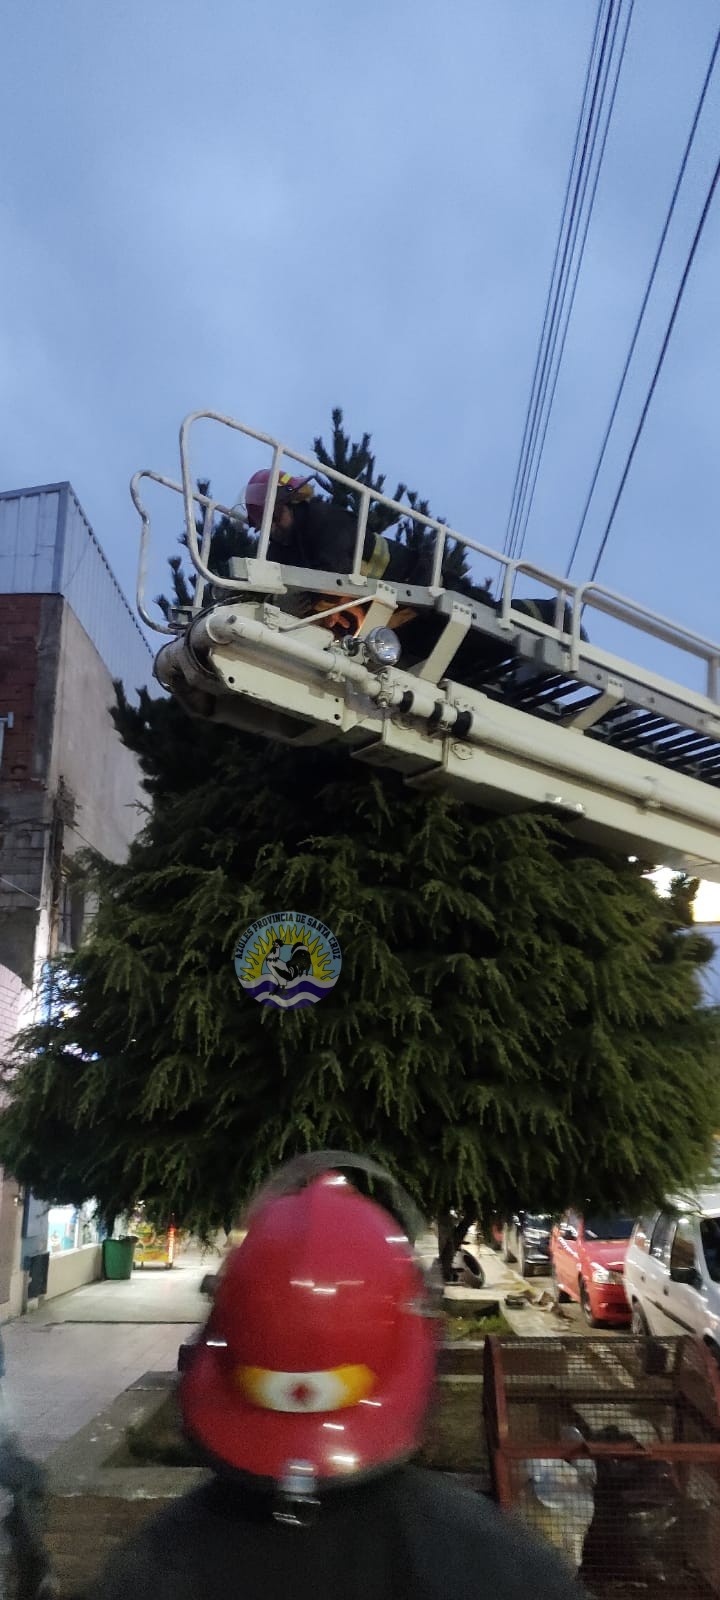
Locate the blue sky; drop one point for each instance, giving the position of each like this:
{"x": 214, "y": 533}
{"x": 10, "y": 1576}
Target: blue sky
{"x": 271, "y": 210}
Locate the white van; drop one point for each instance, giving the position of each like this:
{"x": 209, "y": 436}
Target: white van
{"x": 672, "y": 1269}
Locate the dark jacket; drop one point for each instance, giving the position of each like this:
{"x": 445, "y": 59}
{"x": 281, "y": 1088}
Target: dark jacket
{"x": 410, "y": 1535}
{"x": 323, "y": 538}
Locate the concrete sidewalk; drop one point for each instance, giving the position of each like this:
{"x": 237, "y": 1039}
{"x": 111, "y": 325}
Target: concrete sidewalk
{"x": 69, "y": 1360}
{"x": 501, "y": 1280}
{"x": 152, "y": 1295}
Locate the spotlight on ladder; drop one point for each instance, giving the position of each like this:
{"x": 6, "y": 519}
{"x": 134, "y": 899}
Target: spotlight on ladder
{"x": 383, "y": 647}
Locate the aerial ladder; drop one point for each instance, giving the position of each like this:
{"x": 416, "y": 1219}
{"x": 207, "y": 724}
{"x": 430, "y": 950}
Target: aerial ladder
{"x": 629, "y": 758}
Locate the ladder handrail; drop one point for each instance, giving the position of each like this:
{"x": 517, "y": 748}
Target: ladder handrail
{"x": 613, "y": 604}
{"x": 570, "y": 595}
{"x": 281, "y": 450}
{"x": 210, "y": 506}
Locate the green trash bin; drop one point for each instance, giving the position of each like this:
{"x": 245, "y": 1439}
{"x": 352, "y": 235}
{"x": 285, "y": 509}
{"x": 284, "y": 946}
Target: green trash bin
{"x": 118, "y": 1257}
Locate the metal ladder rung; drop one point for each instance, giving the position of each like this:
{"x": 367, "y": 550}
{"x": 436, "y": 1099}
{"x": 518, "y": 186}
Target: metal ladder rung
{"x": 660, "y": 739}
{"x": 549, "y": 693}
{"x": 641, "y": 726}
{"x": 707, "y": 763}
{"x": 621, "y": 714}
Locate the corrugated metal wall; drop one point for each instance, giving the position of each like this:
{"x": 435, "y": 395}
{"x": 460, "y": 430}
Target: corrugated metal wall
{"x": 28, "y": 540}
{"x": 48, "y": 547}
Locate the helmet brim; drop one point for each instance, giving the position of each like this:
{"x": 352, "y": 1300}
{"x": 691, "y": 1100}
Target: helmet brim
{"x": 380, "y": 1431}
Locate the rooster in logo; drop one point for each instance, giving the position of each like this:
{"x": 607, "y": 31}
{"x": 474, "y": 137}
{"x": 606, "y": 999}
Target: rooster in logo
{"x": 284, "y": 972}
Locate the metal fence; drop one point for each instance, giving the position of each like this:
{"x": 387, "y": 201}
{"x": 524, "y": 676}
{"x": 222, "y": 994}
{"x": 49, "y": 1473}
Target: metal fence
{"x": 610, "y": 1450}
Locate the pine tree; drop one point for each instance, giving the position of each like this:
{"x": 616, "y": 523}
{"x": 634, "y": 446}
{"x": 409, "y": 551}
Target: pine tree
{"x": 518, "y": 1018}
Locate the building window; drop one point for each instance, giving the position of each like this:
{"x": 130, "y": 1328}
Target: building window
{"x": 71, "y": 915}
{"x": 69, "y": 1228}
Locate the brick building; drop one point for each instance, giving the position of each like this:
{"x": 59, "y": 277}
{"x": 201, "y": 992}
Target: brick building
{"x": 66, "y": 781}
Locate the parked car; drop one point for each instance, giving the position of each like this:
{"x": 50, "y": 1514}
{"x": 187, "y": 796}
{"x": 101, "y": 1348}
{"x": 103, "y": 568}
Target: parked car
{"x": 588, "y": 1256}
{"x": 672, "y": 1269}
{"x": 526, "y": 1241}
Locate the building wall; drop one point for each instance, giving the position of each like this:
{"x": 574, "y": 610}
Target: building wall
{"x": 66, "y": 780}
{"x": 14, "y": 1009}
{"x": 13, "y": 1000}
{"x": 29, "y": 645}
{"x": 12, "y": 1277}
{"x": 47, "y": 546}
{"x": 70, "y": 1269}
{"x": 88, "y": 758}
{"x": 30, "y": 633}
{"x": 29, "y": 540}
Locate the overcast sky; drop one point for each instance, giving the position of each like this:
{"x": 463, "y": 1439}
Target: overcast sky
{"x": 270, "y": 209}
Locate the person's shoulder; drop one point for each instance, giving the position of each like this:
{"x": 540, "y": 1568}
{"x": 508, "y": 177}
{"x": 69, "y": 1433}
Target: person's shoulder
{"x": 159, "y": 1559}
{"x": 437, "y": 1497}
{"x": 187, "y": 1511}
{"x": 324, "y": 512}
{"x": 465, "y": 1537}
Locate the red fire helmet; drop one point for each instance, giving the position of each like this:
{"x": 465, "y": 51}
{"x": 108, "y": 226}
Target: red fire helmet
{"x": 318, "y": 1359}
{"x": 256, "y": 489}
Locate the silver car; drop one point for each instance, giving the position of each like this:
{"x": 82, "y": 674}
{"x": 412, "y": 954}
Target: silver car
{"x": 672, "y": 1269}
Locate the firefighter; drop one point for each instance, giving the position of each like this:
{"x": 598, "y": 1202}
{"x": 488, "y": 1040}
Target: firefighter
{"x": 307, "y": 1395}
{"x": 308, "y": 532}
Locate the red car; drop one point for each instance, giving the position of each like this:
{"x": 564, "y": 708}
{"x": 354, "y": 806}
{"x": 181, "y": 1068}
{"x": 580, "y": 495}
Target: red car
{"x": 588, "y": 1259}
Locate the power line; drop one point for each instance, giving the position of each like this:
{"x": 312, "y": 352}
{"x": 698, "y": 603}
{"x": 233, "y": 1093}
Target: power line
{"x": 566, "y": 268}
{"x": 557, "y": 359}
{"x": 18, "y": 890}
{"x": 658, "y": 368}
{"x": 566, "y": 212}
{"x": 643, "y": 307}
{"x": 602, "y": 78}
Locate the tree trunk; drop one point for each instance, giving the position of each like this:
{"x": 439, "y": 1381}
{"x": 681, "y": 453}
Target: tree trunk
{"x": 451, "y": 1232}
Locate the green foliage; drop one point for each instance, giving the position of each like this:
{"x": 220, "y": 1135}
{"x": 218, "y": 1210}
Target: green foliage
{"x": 459, "y": 1329}
{"x": 515, "y": 1017}
{"x": 518, "y": 1018}
{"x": 356, "y": 460}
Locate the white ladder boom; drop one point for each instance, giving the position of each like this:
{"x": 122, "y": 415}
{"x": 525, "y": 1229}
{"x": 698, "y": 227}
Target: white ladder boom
{"x": 548, "y": 718}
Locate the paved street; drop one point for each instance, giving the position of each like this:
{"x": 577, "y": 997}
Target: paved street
{"x": 68, "y": 1361}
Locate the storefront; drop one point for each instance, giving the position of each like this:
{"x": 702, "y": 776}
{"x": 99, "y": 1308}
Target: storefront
{"x": 74, "y": 1243}
{"x": 71, "y": 1228}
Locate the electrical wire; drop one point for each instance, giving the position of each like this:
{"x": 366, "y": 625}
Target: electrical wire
{"x": 601, "y": 84}
{"x": 590, "y": 76}
{"x": 643, "y": 307}
{"x": 658, "y": 368}
{"x": 16, "y": 888}
{"x": 567, "y": 314}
